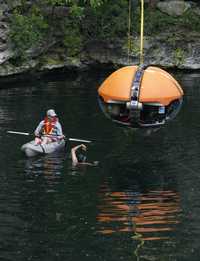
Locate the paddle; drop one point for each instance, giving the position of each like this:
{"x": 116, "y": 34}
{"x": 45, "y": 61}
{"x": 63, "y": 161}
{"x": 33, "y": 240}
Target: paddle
{"x": 20, "y": 133}
{"x": 30, "y": 134}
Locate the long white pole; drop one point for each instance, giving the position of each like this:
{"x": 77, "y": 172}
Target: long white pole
{"x": 28, "y": 134}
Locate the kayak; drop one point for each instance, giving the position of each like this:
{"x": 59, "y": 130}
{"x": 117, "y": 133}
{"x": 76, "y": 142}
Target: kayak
{"x": 31, "y": 149}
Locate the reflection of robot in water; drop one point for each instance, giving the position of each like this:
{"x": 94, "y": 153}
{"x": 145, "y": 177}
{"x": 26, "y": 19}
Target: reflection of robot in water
{"x": 149, "y": 215}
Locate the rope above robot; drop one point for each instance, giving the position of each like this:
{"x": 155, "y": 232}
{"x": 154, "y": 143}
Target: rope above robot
{"x": 140, "y": 96}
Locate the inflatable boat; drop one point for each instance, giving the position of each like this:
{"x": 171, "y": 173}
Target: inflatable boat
{"x": 31, "y": 149}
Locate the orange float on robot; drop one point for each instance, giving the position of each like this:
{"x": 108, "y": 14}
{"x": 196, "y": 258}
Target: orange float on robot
{"x": 139, "y": 96}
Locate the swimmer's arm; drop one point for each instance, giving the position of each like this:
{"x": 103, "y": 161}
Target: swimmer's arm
{"x": 85, "y": 163}
{"x": 73, "y": 154}
{"x": 95, "y": 163}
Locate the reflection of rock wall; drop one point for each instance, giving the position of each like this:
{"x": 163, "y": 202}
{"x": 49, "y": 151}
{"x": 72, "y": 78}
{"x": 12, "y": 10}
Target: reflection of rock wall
{"x": 149, "y": 216}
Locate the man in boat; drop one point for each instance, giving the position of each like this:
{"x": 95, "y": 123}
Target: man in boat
{"x": 78, "y": 154}
{"x": 49, "y": 129}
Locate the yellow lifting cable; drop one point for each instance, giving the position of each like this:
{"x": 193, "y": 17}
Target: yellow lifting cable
{"x": 129, "y": 30}
{"x": 141, "y": 32}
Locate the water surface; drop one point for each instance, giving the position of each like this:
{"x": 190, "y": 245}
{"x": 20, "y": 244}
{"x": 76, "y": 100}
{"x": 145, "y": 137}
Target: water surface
{"x": 140, "y": 203}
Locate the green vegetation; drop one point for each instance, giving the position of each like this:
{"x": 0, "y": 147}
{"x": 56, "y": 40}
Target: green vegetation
{"x": 179, "y": 56}
{"x": 31, "y": 27}
{"x": 157, "y": 22}
{"x": 107, "y": 22}
{"x": 27, "y": 30}
{"x": 88, "y": 20}
{"x": 73, "y": 42}
{"x": 190, "y": 21}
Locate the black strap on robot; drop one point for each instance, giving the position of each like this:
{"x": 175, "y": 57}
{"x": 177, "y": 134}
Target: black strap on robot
{"x": 135, "y": 106}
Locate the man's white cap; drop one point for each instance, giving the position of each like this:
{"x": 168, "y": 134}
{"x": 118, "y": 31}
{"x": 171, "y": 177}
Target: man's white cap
{"x": 51, "y": 113}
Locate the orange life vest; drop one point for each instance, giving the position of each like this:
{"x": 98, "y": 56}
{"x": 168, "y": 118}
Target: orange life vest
{"x": 49, "y": 125}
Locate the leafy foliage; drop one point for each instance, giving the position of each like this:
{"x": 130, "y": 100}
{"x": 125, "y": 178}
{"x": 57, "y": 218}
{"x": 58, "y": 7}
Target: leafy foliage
{"x": 55, "y": 2}
{"x": 27, "y": 30}
{"x": 92, "y": 3}
{"x": 179, "y": 56}
{"x": 30, "y": 25}
{"x": 73, "y": 42}
{"x": 106, "y": 22}
{"x": 87, "y": 20}
{"x": 157, "y": 22}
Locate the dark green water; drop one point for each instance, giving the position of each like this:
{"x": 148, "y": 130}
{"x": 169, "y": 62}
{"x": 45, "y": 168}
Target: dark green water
{"x": 140, "y": 203}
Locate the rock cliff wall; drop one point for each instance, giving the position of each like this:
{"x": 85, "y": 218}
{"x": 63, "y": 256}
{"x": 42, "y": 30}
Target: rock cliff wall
{"x": 167, "y": 49}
